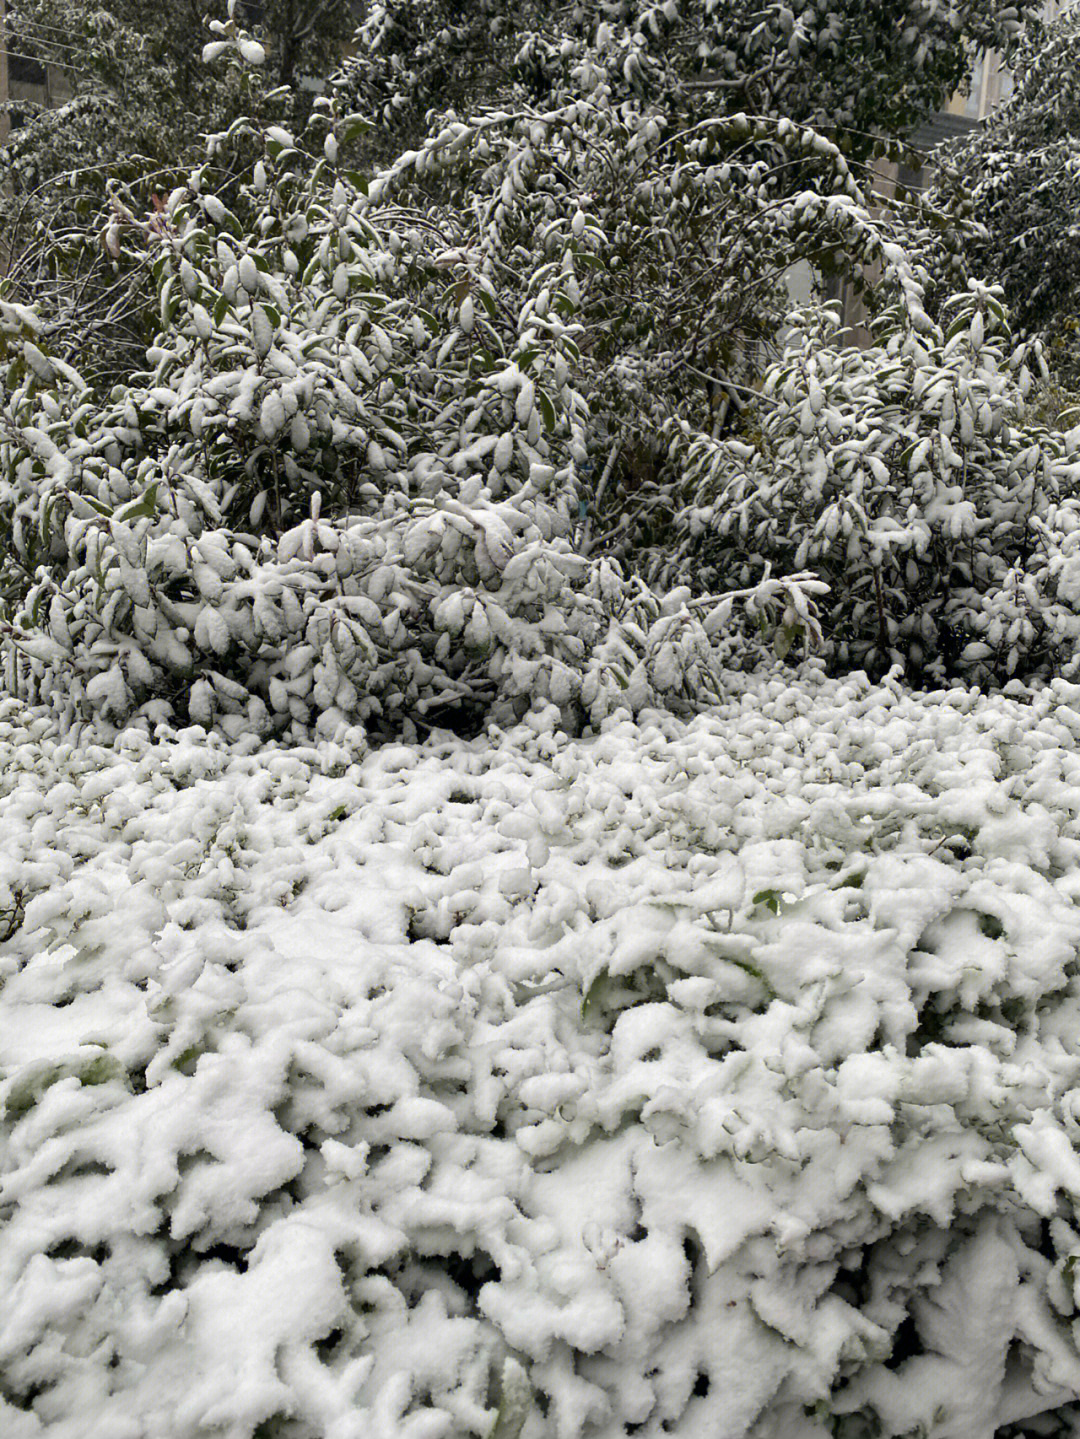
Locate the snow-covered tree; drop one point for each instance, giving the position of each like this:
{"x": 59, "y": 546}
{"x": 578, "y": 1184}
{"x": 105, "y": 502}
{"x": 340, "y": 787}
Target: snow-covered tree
{"x": 141, "y": 89}
{"x": 147, "y": 56}
{"x": 1018, "y": 177}
{"x": 874, "y": 69}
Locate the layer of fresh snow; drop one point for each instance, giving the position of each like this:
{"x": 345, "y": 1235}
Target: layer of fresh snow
{"x": 651, "y": 1079}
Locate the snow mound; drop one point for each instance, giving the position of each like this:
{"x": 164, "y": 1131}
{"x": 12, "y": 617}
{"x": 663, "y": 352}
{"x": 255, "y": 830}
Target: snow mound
{"x": 712, "y": 1077}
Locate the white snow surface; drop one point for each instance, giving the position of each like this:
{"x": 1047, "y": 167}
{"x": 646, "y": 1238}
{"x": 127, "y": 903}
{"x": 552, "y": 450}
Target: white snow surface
{"x": 533, "y": 1086}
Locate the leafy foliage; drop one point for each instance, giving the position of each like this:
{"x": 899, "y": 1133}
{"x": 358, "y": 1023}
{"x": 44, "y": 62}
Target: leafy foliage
{"x": 667, "y": 245}
{"x": 871, "y": 69}
{"x": 688, "y": 1079}
{"x": 370, "y": 472}
{"x": 141, "y": 93}
{"x": 349, "y": 486}
{"x": 147, "y": 59}
{"x": 1017, "y": 178}
{"x": 912, "y": 478}
{"x": 325, "y": 1113}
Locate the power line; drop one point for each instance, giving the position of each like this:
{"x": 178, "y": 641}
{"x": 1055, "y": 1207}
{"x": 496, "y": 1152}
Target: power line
{"x": 39, "y": 40}
{"x": 43, "y": 32}
{"x": 37, "y": 24}
{"x": 51, "y": 35}
{"x": 36, "y": 60}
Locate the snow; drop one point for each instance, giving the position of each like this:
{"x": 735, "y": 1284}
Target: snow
{"x": 646, "y": 1078}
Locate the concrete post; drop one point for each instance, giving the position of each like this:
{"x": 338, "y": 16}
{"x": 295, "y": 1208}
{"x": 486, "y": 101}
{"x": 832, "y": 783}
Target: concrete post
{"x": 5, "y": 124}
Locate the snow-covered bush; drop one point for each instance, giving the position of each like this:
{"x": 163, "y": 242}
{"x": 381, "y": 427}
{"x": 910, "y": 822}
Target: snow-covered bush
{"x": 348, "y": 488}
{"x": 708, "y": 1079}
{"x": 667, "y": 244}
{"x": 355, "y": 481}
{"x": 398, "y": 452}
{"x": 909, "y": 476}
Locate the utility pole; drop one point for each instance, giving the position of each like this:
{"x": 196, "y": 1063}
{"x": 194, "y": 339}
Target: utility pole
{"x": 5, "y": 123}
{"x": 5, "y": 127}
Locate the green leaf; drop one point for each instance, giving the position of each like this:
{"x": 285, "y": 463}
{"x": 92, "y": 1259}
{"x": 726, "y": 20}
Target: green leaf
{"x": 962, "y": 322}
{"x": 167, "y": 300}
{"x": 101, "y": 1070}
{"x": 783, "y": 640}
{"x": 27, "y": 1089}
{"x": 995, "y": 307}
{"x": 515, "y": 1402}
{"x": 46, "y": 520}
{"x": 770, "y": 898}
{"x": 850, "y": 881}
{"x": 991, "y": 926}
{"x": 547, "y": 410}
{"x": 592, "y": 995}
{"x": 145, "y": 507}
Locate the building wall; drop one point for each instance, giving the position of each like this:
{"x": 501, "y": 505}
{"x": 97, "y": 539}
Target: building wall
{"x": 24, "y": 79}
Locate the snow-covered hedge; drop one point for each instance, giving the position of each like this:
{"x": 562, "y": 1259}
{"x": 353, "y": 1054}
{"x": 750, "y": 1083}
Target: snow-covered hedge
{"x": 713, "y": 1078}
